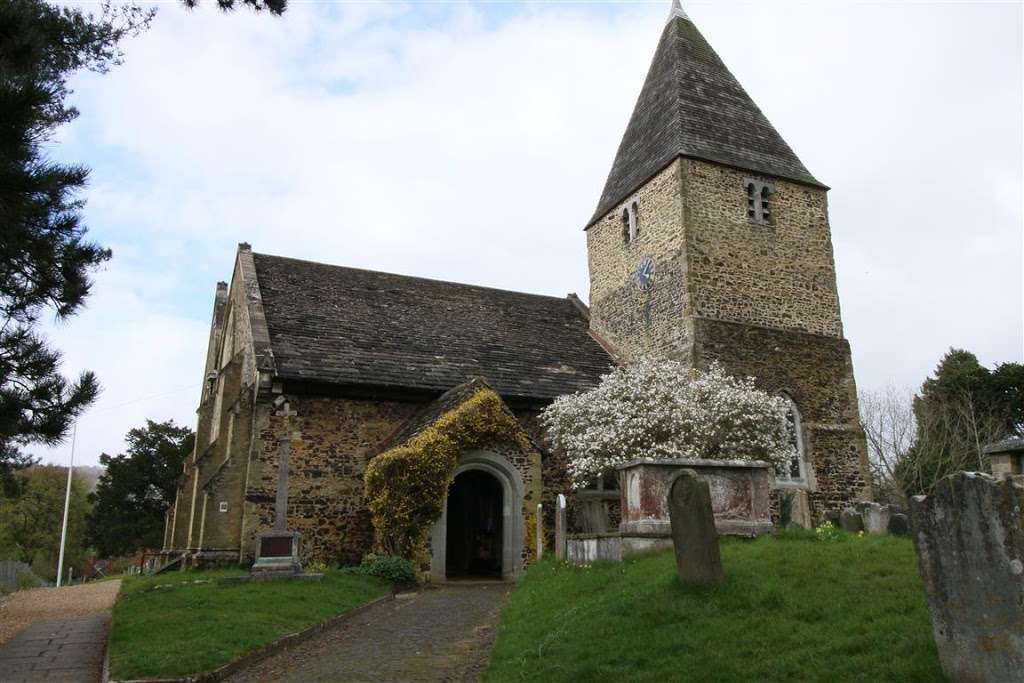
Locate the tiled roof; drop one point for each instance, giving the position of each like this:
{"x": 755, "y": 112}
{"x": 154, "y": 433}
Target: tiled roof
{"x": 335, "y": 325}
{"x": 691, "y": 105}
{"x": 432, "y": 411}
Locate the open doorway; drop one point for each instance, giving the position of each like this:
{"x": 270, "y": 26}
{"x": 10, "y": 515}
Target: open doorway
{"x": 474, "y": 534}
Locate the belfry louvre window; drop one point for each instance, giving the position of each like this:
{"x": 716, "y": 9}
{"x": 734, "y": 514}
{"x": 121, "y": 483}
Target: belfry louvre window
{"x": 630, "y": 222}
{"x": 758, "y": 200}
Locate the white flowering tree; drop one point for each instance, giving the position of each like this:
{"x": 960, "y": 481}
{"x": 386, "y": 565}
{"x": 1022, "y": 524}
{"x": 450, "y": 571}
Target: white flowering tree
{"x": 664, "y": 409}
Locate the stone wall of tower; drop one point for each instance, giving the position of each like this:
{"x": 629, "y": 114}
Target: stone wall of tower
{"x": 780, "y": 275}
{"x": 817, "y": 373}
{"x": 759, "y": 299}
{"x": 630, "y": 319}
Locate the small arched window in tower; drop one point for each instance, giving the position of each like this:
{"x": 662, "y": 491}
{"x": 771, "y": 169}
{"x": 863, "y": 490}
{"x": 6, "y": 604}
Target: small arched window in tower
{"x": 796, "y": 471}
{"x": 630, "y": 222}
{"x": 758, "y": 200}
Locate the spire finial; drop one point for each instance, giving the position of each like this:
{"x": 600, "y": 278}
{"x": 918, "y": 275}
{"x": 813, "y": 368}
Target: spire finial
{"x": 677, "y": 11}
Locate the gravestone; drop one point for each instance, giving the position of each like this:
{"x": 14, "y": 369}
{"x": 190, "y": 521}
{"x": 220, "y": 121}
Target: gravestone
{"x": 969, "y": 537}
{"x": 831, "y": 517}
{"x": 876, "y": 518}
{"x": 899, "y": 524}
{"x": 540, "y": 530}
{"x": 698, "y": 561}
{"x": 850, "y": 520}
{"x": 560, "y": 527}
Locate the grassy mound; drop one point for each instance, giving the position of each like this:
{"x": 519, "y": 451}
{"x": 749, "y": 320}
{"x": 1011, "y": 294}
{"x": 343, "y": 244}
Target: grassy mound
{"x": 192, "y": 627}
{"x": 791, "y": 608}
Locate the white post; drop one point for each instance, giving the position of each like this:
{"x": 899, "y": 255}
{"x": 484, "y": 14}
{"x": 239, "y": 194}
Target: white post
{"x": 67, "y": 502}
{"x": 540, "y": 530}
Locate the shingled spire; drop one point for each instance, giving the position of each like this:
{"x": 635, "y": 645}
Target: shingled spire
{"x": 691, "y": 105}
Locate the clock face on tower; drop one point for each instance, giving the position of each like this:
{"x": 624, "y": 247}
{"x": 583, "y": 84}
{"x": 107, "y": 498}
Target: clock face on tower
{"x": 645, "y": 273}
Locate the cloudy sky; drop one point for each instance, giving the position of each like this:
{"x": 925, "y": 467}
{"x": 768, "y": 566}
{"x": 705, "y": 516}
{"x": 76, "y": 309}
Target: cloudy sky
{"x": 470, "y": 142}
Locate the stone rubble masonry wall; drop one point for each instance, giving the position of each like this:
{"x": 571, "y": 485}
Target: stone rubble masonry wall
{"x": 554, "y": 474}
{"x": 760, "y": 299}
{"x": 817, "y": 373}
{"x": 780, "y": 275}
{"x": 325, "y": 473}
{"x": 633, "y": 320}
{"x": 969, "y": 537}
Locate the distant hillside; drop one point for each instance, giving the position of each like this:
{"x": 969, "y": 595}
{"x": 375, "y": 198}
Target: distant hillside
{"x": 90, "y": 473}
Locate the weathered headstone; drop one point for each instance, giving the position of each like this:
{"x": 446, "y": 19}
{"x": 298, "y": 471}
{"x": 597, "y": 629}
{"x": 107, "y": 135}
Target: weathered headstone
{"x": 694, "y": 537}
{"x": 850, "y": 520}
{"x": 876, "y": 518}
{"x": 831, "y": 516}
{"x": 560, "y": 527}
{"x": 969, "y": 537}
{"x": 899, "y": 524}
{"x": 540, "y": 530}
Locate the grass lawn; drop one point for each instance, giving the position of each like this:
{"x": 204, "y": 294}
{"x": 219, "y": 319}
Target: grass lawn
{"x": 193, "y": 628}
{"x": 791, "y": 608}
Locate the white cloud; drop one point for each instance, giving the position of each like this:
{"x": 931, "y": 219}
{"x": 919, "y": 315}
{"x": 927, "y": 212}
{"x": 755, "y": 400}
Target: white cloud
{"x": 446, "y": 141}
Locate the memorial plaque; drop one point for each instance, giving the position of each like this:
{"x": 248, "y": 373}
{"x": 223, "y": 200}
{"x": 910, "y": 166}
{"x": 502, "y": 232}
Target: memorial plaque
{"x": 276, "y": 546}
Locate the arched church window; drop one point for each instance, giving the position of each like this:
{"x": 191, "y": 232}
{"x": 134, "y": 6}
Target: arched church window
{"x": 630, "y": 223}
{"x": 796, "y": 472}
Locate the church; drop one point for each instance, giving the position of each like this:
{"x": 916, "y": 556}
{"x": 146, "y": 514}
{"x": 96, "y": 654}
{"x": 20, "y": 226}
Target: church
{"x": 710, "y": 242}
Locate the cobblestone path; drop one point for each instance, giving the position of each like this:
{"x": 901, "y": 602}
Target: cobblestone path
{"x": 441, "y": 634}
{"x": 56, "y": 634}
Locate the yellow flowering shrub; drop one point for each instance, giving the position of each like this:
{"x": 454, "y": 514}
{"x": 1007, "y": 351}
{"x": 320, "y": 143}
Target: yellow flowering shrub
{"x": 406, "y": 485}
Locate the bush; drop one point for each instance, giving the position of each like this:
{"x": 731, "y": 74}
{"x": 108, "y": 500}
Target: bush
{"x": 28, "y": 580}
{"x": 392, "y": 569}
{"x": 665, "y": 409}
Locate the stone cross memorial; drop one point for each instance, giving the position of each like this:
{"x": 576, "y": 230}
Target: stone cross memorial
{"x": 694, "y": 537}
{"x": 278, "y": 551}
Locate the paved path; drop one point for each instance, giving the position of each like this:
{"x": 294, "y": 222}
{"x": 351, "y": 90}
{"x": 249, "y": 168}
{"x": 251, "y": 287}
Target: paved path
{"x": 441, "y": 634}
{"x": 56, "y": 634}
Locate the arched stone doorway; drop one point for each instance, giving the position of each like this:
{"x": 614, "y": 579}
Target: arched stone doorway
{"x": 485, "y": 483}
{"x": 473, "y": 538}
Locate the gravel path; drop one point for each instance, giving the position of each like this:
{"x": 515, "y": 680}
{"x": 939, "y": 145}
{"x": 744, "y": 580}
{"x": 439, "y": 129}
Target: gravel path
{"x": 440, "y": 634}
{"x": 56, "y": 634}
{"x": 23, "y": 608}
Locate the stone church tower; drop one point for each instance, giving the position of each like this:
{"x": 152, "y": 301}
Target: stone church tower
{"x": 711, "y": 242}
